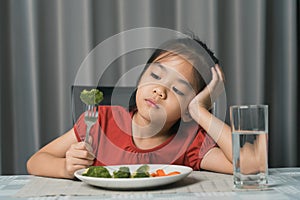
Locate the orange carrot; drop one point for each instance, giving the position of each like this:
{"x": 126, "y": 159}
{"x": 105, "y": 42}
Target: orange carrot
{"x": 173, "y": 173}
{"x": 160, "y": 172}
{"x": 153, "y": 174}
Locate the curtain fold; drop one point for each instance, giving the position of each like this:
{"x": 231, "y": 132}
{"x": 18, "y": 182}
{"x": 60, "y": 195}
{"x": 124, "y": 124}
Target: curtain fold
{"x": 24, "y": 87}
{"x": 282, "y": 86}
{"x": 44, "y": 43}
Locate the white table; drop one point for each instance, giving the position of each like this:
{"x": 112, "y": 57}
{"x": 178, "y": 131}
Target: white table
{"x": 284, "y": 183}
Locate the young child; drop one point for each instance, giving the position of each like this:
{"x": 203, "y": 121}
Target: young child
{"x": 169, "y": 122}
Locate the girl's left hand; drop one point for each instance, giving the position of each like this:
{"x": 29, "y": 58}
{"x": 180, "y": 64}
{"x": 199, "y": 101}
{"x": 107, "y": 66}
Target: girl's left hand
{"x": 209, "y": 94}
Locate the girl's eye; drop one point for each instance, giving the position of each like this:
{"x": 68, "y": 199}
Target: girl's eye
{"x": 178, "y": 91}
{"x": 155, "y": 76}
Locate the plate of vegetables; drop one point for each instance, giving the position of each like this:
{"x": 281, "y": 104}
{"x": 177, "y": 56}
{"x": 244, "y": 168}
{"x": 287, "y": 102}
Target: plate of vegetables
{"x": 132, "y": 176}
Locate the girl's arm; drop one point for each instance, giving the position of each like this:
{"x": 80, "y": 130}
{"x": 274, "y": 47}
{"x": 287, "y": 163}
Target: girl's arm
{"x": 60, "y": 158}
{"x": 220, "y": 159}
{"x": 218, "y": 130}
{"x": 198, "y": 109}
{"x": 216, "y": 161}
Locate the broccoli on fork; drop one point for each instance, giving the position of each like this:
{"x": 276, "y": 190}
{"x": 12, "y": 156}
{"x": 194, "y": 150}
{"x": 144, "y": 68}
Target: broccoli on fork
{"x": 92, "y": 97}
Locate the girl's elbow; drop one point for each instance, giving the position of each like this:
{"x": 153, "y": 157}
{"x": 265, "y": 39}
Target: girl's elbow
{"x": 29, "y": 166}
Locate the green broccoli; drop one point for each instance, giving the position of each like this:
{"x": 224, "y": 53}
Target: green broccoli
{"x": 91, "y": 97}
{"x": 123, "y": 172}
{"x": 97, "y": 171}
{"x": 142, "y": 172}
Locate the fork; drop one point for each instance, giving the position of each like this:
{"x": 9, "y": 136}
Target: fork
{"x": 90, "y": 118}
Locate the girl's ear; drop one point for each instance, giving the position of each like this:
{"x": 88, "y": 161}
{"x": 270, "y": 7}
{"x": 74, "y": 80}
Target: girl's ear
{"x": 186, "y": 117}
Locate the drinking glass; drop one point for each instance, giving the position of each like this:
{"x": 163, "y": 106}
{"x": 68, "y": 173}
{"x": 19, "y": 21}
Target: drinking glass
{"x": 249, "y": 124}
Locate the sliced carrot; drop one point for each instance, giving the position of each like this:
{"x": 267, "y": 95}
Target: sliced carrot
{"x": 160, "y": 172}
{"x": 153, "y": 174}
{"x": 173, "y": 173}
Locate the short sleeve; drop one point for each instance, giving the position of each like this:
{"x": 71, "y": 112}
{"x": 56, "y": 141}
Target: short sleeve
{"x": 201, "y": 144}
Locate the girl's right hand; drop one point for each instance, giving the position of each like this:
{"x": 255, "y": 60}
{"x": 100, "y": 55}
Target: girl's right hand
{"x": 77, "y": 157}
{"x": 209, "y": 94}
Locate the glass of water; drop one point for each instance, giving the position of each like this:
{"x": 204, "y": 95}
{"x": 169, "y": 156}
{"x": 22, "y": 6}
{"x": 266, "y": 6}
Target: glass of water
{"x": 249, "y": 124}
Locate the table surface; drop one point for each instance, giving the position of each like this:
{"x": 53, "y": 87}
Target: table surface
{"x": 284, "y": 183}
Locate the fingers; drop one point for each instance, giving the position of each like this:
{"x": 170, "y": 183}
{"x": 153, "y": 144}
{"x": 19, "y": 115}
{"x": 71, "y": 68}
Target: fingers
{"x": 73, "y": 161}
{"x": 219, "y": 72}
{"x": 216, "y": 86}
{"x": 79, "y": 150}
{"x": 78, "y": 157}
{"x": 89, "y": 148}
{"x": 210, "y": 93}
{"x": 218, "y": 77}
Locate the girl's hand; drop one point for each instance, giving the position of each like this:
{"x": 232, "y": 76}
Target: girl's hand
{"x": 78, "y": 157}
{"x": 209, "y": 94}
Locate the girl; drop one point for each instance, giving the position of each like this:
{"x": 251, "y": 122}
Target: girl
{"x": 169, "y": 122}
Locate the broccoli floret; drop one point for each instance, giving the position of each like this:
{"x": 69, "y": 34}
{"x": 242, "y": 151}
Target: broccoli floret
{"x": 91, "y": 97}
{"x": 142, "y": 172}
{"x": 123, "y": 172}
{"x": 97, "y": 171}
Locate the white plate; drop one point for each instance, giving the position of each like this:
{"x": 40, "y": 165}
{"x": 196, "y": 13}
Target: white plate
{"x": 136, "y": 183}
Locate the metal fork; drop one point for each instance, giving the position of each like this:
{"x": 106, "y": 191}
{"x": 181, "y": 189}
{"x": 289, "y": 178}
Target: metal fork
{"x": 90, "y": 118}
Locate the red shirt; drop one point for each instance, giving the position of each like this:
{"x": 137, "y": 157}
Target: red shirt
{"x": 113, "y": 144}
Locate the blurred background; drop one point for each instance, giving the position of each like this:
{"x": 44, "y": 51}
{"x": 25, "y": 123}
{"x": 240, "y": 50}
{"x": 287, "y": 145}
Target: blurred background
{"x": 44, "y": 42}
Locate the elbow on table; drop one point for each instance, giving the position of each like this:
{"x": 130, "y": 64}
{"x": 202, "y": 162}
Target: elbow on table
{"x": 29, "y": 166}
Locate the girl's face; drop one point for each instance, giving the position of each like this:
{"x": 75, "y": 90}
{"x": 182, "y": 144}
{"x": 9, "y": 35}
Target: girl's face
{"x": 165, "y": 90}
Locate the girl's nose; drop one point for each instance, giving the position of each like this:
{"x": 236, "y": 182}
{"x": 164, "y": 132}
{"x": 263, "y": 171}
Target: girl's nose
{"x": 160, "y": 92}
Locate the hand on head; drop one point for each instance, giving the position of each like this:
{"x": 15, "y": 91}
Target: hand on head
{"x": 210, "y": 93}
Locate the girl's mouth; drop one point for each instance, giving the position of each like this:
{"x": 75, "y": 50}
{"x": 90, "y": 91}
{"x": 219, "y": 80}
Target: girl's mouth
{"x": 152, "y": 103}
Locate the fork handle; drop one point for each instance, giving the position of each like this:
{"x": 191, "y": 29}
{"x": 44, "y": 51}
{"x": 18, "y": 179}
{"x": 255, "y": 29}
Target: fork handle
{"x": 87, "y": 134}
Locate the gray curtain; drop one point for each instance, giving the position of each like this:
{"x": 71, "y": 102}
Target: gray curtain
{"x": 44, "y": 43}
